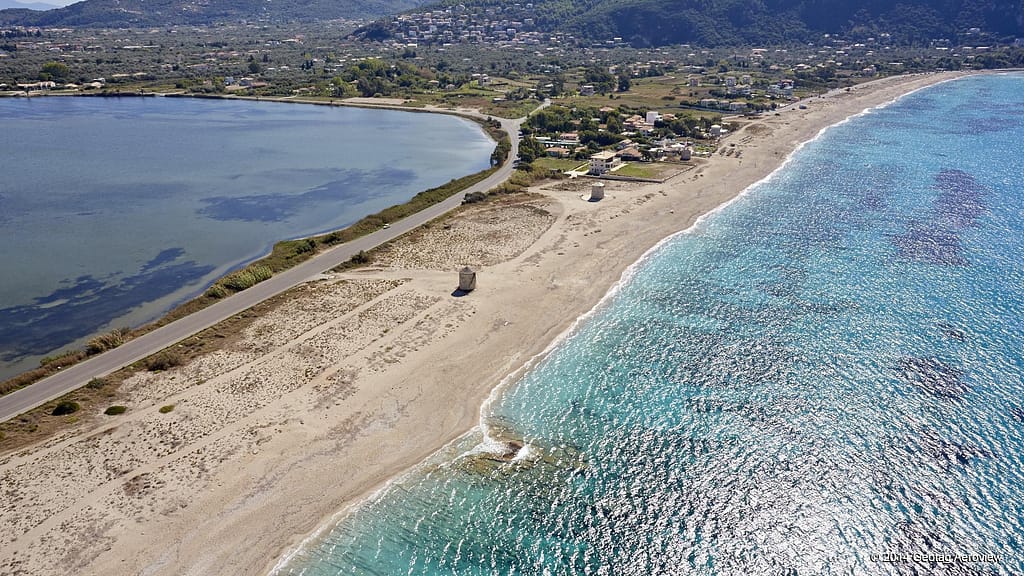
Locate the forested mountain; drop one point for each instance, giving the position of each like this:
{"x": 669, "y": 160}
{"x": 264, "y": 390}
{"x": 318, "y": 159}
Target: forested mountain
{"x": 718, "y": 22}
{"x": 5, "y": 4}
{"x": 126, "y": 13}
{"x": 638, "y": 22}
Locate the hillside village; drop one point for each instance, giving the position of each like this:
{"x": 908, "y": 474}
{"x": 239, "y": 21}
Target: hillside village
{"x": 642, "y": 105}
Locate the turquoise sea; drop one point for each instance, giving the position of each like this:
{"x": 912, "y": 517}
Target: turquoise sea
{"x": 114, "y": 210}
{"x": 824, "y": 377}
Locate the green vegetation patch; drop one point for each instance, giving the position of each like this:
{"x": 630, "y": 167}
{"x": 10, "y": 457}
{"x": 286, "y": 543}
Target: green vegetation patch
{"x": 115, "y": 410}
{"x": 246, "y": 278}
{"x": 519, "y": 181}
{"x": 166, "y": 409}
{"x": 654, "y": 171}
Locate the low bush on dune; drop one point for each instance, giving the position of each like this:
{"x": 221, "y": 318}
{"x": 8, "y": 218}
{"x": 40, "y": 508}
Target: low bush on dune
{"x": 474, "y": 197}
{"x": 115, "y": 410}
{"x": 64, "y": 408}
{"x": 163, "y": 361}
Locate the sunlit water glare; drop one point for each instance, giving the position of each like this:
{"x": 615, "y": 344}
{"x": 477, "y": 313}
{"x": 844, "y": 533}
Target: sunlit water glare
{"x": 828, "y": 369}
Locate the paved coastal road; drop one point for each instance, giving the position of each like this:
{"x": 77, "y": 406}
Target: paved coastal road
{"x": 78, "y": 375}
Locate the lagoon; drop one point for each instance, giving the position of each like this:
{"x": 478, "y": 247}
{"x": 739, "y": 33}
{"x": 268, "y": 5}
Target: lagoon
{"x": 114, "y": 210}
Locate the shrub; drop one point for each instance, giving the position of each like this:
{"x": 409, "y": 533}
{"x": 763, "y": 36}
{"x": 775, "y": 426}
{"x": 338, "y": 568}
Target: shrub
{"x": 115, "y": 410}
{"x": 305, "y": 246}
{"x": 164, "y": 360}
{"x": 66, "y": 407}
{"x": 166, "y": 409}
{"x": 96, "y": 383}
{"x": 107, "y": 341}
{"x": 361, "y": 258}
{"x": 474, "y": 197}
{"x": 216, "y": 291}
{"x": 246, "y": 277}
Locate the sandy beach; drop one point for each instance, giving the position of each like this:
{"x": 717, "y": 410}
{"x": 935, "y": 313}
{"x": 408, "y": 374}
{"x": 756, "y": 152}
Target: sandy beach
{"x": 357, "y": 376}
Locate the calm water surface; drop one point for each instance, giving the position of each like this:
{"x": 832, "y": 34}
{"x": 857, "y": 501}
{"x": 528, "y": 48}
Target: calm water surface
{"x": 826, "y": 371}
{"x": 113, "y": 210}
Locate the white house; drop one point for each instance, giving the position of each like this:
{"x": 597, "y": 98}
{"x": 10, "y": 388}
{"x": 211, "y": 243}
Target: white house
{"x": 602, "y": 162}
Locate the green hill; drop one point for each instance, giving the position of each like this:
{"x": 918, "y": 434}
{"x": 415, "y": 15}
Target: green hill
{"x": 724, "y": 22}
{"x": 130, "y": 13}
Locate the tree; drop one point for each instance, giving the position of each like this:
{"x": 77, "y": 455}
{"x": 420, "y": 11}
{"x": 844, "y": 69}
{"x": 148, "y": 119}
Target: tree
{"x": 614, "y": 124}
{"x": 54, "y": 71}
{"x": 530, "y": 149}
{"x": 624, "y": 83}
{"x": 601, "y": 79}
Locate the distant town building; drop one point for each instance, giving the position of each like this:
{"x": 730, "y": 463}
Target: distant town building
{"x": 630, "y": 154}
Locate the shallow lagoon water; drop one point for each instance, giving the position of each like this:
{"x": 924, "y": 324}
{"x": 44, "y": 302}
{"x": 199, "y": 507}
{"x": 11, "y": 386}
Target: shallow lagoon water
{"x": 116, "y": 209}
{"x": 824, "y": 377}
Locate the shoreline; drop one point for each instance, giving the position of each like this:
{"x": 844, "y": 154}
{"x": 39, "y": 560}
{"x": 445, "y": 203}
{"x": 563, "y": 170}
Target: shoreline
{"x": 330, "y": 451}
{"x": 569, "y": 330}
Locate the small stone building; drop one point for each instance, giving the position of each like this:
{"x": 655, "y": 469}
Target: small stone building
{"x": 467, "y": 279}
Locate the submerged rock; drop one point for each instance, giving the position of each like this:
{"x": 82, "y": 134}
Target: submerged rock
{"x": 951, "y": 332}
{"x": 1018, "y": 413}
{"x": 934, "y": 377}
{"x": 931, "y": 245}
{"x": 948, "y": 453}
